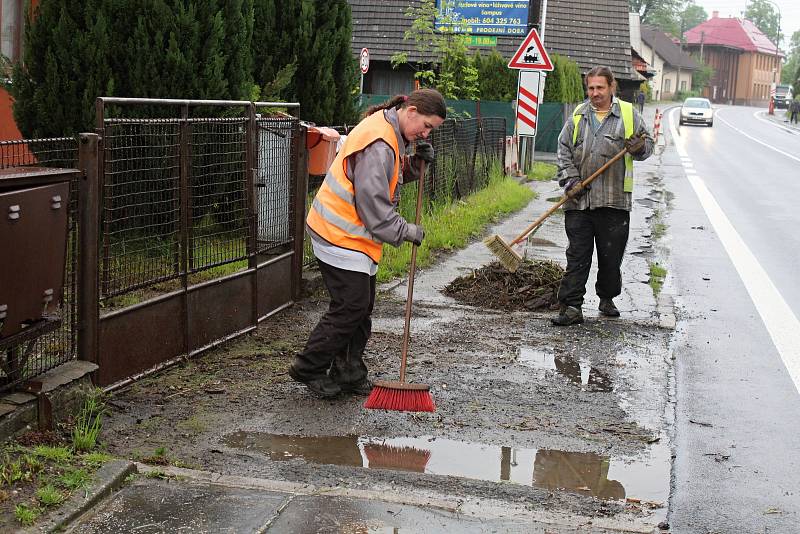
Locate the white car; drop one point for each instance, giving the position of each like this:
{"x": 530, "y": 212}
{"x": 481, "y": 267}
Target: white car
{"x": 697, "y": 110}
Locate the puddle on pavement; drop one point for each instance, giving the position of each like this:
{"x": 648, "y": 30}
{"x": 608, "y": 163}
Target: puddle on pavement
{"x": 645, "y": 478}
{"x": 577, "y": 370}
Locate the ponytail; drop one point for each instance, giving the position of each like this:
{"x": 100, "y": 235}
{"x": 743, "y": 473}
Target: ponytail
{"x": 427, "y": 102}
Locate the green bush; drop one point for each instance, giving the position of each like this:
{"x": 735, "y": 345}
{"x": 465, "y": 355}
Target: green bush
{"x": 496, "y": 81}
{"x": 564, "y": 83}
{"x": 680, "y": 96}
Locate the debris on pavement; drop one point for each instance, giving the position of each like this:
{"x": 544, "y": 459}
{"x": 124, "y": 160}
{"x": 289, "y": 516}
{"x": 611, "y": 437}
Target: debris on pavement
{"x": 533, "y": 286}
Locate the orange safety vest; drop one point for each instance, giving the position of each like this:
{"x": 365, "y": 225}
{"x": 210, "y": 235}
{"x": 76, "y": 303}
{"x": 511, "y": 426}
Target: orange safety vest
{"x": 333, "y": 214}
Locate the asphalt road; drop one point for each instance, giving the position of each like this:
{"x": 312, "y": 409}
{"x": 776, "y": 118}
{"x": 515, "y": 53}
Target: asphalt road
{"x": 735, "y": 251}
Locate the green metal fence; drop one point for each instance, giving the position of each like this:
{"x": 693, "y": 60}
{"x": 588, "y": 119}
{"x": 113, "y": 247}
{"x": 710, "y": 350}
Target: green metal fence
{"x": 551, "y": 116}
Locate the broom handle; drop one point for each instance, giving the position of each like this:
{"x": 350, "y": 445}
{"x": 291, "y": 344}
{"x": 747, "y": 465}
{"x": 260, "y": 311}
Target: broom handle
{"x": 568, "y": 196}
{"x": 412, "y": 270}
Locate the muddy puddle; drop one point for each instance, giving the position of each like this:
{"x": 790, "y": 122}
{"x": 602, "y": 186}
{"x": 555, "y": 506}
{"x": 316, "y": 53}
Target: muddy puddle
{"x": 577, "y": 370}
{"x": 644, "y": 477}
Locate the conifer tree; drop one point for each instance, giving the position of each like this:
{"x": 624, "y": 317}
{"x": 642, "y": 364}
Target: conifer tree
{"x": 77, "y": 50}
{"x": 301, "y": 52}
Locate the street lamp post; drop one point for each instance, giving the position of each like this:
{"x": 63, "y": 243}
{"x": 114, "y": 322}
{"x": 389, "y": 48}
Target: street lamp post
{"x": 771, "y": 109}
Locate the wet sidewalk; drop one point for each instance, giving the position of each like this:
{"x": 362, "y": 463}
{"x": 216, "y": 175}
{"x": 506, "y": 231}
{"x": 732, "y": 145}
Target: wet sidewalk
{"x": 537, "y": 429}
{"x": 181, "y": 500}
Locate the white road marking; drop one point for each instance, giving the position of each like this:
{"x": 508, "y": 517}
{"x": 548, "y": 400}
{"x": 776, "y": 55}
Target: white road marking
{"x": 778, "y": 317}
{"x": 759, "y": 115}
{"x": 779, "y": 151}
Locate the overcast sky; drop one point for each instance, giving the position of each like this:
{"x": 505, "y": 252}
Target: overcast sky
{"x": 789, "y": 10}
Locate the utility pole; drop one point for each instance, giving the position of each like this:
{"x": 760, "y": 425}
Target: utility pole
{"x": 680, "y": 56}
{"x": 771, "y": 109}
{"x": 702, "y": 38}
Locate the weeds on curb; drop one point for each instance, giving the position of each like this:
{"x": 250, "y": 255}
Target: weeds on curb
{"x": 657, "y": 275}
{"x": 59, "y": 455}
{"x": 25, "y": 514}
{"x": 37, "y": 478}
{"x": 73, "y": 479}
{"x": 88, "y": 423}
{"x": 49, "y": 496}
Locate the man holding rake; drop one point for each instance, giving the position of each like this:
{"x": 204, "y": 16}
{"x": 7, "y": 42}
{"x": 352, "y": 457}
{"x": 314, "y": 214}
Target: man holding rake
{"x": 599, "y": 216}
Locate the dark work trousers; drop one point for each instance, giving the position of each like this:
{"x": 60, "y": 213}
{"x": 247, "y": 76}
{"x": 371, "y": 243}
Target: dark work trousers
{"x": 793, "y": 118}
{"x": 605, "y": 228}
{"x": 338, "y": 341}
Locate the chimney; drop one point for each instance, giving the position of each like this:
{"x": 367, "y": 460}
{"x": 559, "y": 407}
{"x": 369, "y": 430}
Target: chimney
{"x": 714, "y": 14}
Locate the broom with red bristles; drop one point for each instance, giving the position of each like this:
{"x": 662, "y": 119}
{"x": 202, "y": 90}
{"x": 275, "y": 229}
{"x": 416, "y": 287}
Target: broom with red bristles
{"x": 400, "y": 395}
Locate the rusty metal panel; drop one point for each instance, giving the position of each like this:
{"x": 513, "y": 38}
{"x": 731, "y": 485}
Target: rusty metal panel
{"x": 140, "y": 337}
{"x": 33, "y": 242}
{"x": 274, "y": 284}
{"x": 219, "y": 308}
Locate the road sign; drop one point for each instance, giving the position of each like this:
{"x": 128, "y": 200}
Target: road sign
{"x": 364, "y": 60}
{"x": 531, "y": 55}
{"x": 528, "y": 102}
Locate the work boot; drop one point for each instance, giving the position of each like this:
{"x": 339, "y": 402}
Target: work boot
{"x": 359, "y": 389}
{"x": 322, "y": 386}
{"x": 607, "y": 308}
{"x": 568, "y": 315}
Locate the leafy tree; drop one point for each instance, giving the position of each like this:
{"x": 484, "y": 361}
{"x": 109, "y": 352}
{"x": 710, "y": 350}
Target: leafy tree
{"x": 796, "y": 83}
{"x": 652, "y": 10}
{"x": 677, "y": 17}
{"x": 564, "y": 83}
{"x": 789, "y": 71}
{"x": 701, "y": 76}
{"x": 763, "y": 14}
{"x": 495, "y": 80}
{"x": 452, "y": 71}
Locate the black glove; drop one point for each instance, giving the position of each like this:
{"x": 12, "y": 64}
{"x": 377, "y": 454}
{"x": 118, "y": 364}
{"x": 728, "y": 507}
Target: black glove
{"x": 571, "y": 184}
{"x": 424, "y": 151}
{"x": 635, "y": 144}
{"x": 419, "y": 235}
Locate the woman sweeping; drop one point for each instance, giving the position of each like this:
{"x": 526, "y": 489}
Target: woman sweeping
{"x": 353, "y": 214}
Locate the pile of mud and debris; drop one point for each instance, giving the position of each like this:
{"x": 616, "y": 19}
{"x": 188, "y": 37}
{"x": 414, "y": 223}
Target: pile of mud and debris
{"x": 533, "y": 286}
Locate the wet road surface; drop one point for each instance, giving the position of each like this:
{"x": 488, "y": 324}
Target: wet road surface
{"x": 738, "y": 428}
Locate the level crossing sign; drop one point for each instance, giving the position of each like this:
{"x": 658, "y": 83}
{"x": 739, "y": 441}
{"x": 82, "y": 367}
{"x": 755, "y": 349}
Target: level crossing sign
{"x": 528, "y": 102}
{"x": 531, "y": 54}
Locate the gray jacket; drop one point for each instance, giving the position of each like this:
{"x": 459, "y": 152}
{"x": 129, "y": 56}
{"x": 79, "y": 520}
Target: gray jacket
{"x": 591, "y": 150}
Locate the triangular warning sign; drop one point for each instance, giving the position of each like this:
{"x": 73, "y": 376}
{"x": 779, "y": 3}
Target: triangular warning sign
{"x": 531, "y": 55}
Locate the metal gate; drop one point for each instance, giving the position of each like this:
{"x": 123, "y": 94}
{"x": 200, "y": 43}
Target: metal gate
{"x": 194, "y": 229}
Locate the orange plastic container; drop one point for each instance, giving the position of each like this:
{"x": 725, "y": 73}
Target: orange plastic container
{"x": 321, "y": 145}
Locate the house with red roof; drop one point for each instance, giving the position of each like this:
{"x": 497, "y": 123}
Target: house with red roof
{"x": 745, "y": 61}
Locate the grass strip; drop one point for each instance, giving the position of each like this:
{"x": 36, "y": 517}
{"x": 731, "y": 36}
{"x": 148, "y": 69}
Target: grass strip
{"x": 452, "y": 225}
{"x": 542, "y": 172}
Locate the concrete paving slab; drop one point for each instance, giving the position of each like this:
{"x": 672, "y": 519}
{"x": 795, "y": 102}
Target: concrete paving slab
{"x": 18, "y": 397}
{"x": 172, "y": 505}
{"x": 338, "y": 514}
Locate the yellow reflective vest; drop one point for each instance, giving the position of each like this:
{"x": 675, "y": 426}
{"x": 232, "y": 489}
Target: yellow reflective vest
{"x": 333, "y": 214}
{"x": 626, "y": 109}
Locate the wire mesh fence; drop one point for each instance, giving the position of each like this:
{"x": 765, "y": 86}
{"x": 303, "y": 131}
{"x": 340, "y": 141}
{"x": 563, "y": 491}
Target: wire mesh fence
{"x": 465, "y": 151}
{"x": 141, "y": 204}
{"x": 275, "y": 170}
{"x": 217, "y": 192}
{"x": 19, "y": 362}
{"x": 158, "y": 227}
